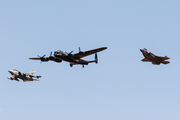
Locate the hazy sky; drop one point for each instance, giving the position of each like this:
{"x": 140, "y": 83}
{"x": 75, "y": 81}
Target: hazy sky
{"x": 119, "y": 87}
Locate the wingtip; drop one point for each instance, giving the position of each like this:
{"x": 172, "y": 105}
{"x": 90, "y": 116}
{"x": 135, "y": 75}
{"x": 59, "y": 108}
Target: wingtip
{"x": 104, "y": 48}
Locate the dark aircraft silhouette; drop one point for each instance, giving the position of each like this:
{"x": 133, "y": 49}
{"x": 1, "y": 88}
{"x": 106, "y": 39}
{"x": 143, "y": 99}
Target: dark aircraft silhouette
{"x": 156, "y": 60}
{"x": 73, "y": 59}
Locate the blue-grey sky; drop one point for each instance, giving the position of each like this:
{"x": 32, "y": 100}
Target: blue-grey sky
{"x": 119, "y": 87}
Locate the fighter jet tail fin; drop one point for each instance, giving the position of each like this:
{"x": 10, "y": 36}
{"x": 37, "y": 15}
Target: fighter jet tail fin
{"x": 165, "y": 62}
{"x": 32, "y": 72}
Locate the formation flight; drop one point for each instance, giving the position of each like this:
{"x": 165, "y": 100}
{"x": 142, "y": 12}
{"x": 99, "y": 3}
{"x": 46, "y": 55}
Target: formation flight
{"x": 73, "y": 59}
{"x": 150, "y": 57}
{"x": 24, "y": 76}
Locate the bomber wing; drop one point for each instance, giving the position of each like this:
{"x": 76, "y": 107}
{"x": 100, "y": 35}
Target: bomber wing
{"x": 35, "y": 58}
{"x": 90, "y": 52}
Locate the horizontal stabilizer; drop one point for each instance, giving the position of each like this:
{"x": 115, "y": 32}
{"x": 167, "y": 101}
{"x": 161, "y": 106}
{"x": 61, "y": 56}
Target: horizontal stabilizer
{"x": 37, "y": 76}
{"x": 35, "y": 80}
{"x": 165, "y": 62}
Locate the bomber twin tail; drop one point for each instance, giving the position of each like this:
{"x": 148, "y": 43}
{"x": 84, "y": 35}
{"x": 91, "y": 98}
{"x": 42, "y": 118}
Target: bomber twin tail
{"x": 73, "y": 59}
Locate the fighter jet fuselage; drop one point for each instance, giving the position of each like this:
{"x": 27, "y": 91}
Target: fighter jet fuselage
{"x": 24, "y": 76}
{"x": 150, "y": 57}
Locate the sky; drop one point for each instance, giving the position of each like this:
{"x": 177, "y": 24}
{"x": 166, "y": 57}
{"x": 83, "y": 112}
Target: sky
{"x": 120, "y": 86}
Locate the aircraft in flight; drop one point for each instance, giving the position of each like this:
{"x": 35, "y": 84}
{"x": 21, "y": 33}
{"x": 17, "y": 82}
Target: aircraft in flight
{"x": 24, "y": 76}
{"x": 73, "y": 59}
{"x": 150, "y": 57}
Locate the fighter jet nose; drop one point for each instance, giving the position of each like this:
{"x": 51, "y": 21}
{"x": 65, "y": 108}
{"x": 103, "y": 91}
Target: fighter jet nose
{"x": 141, "y": 50}
{"x": 10, "y": 71}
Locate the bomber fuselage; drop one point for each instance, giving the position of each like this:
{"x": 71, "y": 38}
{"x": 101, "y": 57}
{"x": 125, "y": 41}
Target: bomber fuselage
{"x": 69, "y": 58}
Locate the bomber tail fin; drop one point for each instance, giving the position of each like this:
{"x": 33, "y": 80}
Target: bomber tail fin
{"x": 96, "y": 58}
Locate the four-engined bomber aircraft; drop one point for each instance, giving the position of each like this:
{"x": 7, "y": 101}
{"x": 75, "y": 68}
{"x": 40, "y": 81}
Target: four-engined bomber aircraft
{"x": 24, "y": 76}
{"x": 73, "y": 59}
{"x": 150, "y": 57}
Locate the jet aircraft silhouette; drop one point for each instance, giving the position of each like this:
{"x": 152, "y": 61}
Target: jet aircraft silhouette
{"x": 24, "y": 76}
{"x": 150, "y": 57}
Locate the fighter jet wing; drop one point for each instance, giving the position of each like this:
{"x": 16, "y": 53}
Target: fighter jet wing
{"x": 90, "y": 52}
{"x": 145, "y": 60}
{"x": 13, "y": 78}
{"x": 162, "y": 58}
{"x": 30, "y": 80}
{"x": 154, "y": 63}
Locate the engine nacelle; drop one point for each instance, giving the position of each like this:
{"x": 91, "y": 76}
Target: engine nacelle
{"x": 44, "y": 59}
{"x": 82, "y": 53}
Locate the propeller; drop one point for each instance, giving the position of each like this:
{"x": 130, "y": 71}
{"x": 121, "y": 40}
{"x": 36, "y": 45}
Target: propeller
{"x": 81, "y": 52}
{"x": 51, "y": 57}
{"x": 70, "y": 54}
{"x": 43, "y": 58}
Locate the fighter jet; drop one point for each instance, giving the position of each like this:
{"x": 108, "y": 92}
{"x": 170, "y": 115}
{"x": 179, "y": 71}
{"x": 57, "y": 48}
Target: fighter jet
{"x": 24, "y": 76}
{"x": 73, "y": 59}
{"x": 150, "y": 57}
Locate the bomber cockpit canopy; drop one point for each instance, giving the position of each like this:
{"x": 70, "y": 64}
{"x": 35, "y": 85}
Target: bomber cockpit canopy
{"x": 59, "y": 52}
